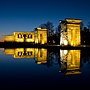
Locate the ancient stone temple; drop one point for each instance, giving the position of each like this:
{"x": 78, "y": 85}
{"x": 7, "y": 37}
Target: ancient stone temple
{"x": 70, "y": 32}
{"x": 39, "y": 36}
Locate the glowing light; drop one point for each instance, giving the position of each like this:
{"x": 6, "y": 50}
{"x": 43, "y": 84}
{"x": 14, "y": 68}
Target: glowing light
{"x": 9, "y": 51}
{"x": 65, "y": 42}
{"x": 65, "y": 52}
{"x": 38, "y": 62}
{"x": 41, "y": 56}
{"x": 9, "y": 38}
{"x": 70, "y": 61}
{"x": 71, "y": 34}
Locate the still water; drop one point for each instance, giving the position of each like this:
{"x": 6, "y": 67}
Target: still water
{"x": 43, "y": 68}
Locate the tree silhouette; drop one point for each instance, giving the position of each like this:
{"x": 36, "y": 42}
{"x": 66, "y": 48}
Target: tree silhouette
{"x": 81, "y": 26}
{"x": 49, "y": 26}
{"x": 50, "y": 30}
{"x": 56, "y": 36}
{"x": 88, "y": 26}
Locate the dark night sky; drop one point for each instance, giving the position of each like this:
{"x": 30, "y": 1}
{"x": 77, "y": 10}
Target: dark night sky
{"x": 25, "y": 15}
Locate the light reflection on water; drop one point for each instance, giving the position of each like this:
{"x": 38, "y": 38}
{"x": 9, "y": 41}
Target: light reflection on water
{"x": 32, "y": 66}
{"x": 70, "y": 61}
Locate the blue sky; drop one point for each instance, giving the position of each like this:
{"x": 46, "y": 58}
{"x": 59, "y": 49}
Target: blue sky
{"x": 25, "y": 15}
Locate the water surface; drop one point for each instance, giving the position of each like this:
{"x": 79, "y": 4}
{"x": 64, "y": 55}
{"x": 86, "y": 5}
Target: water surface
{"x": 44, "y": 68}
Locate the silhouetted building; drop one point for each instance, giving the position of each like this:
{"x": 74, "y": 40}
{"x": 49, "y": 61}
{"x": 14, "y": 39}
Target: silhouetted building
{"x": 70, "y": 32}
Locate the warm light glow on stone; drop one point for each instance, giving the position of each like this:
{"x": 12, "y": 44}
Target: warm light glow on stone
{"x": 70, "y": 61}
{"x": 65, "y": 52}
{"x": 41, "y": 56}
{"x": 65, "y": 42}
{"x": 41, "y": 36}
{"x": 20, "y": 37}
{"x": 70, "y": 31}
{"x": 38, "y": 37}
{"x": 9, "y": 51}
{"x": 73, "y": 20}
{"x": 21, "y": 52}
{"x": 8, "y": 38}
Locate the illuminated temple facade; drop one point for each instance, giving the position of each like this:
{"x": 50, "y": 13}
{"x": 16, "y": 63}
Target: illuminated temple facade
{"x": 39, "y": 36}
{"x": 70, "y": 32}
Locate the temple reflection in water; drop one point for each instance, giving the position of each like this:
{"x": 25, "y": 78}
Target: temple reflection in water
{"x": 40, "y": 55}
{"x": 69, "y": 60}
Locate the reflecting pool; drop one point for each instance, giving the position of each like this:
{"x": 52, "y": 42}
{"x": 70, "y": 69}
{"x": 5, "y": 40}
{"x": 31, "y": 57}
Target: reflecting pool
{"x": 44, "y": 68}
